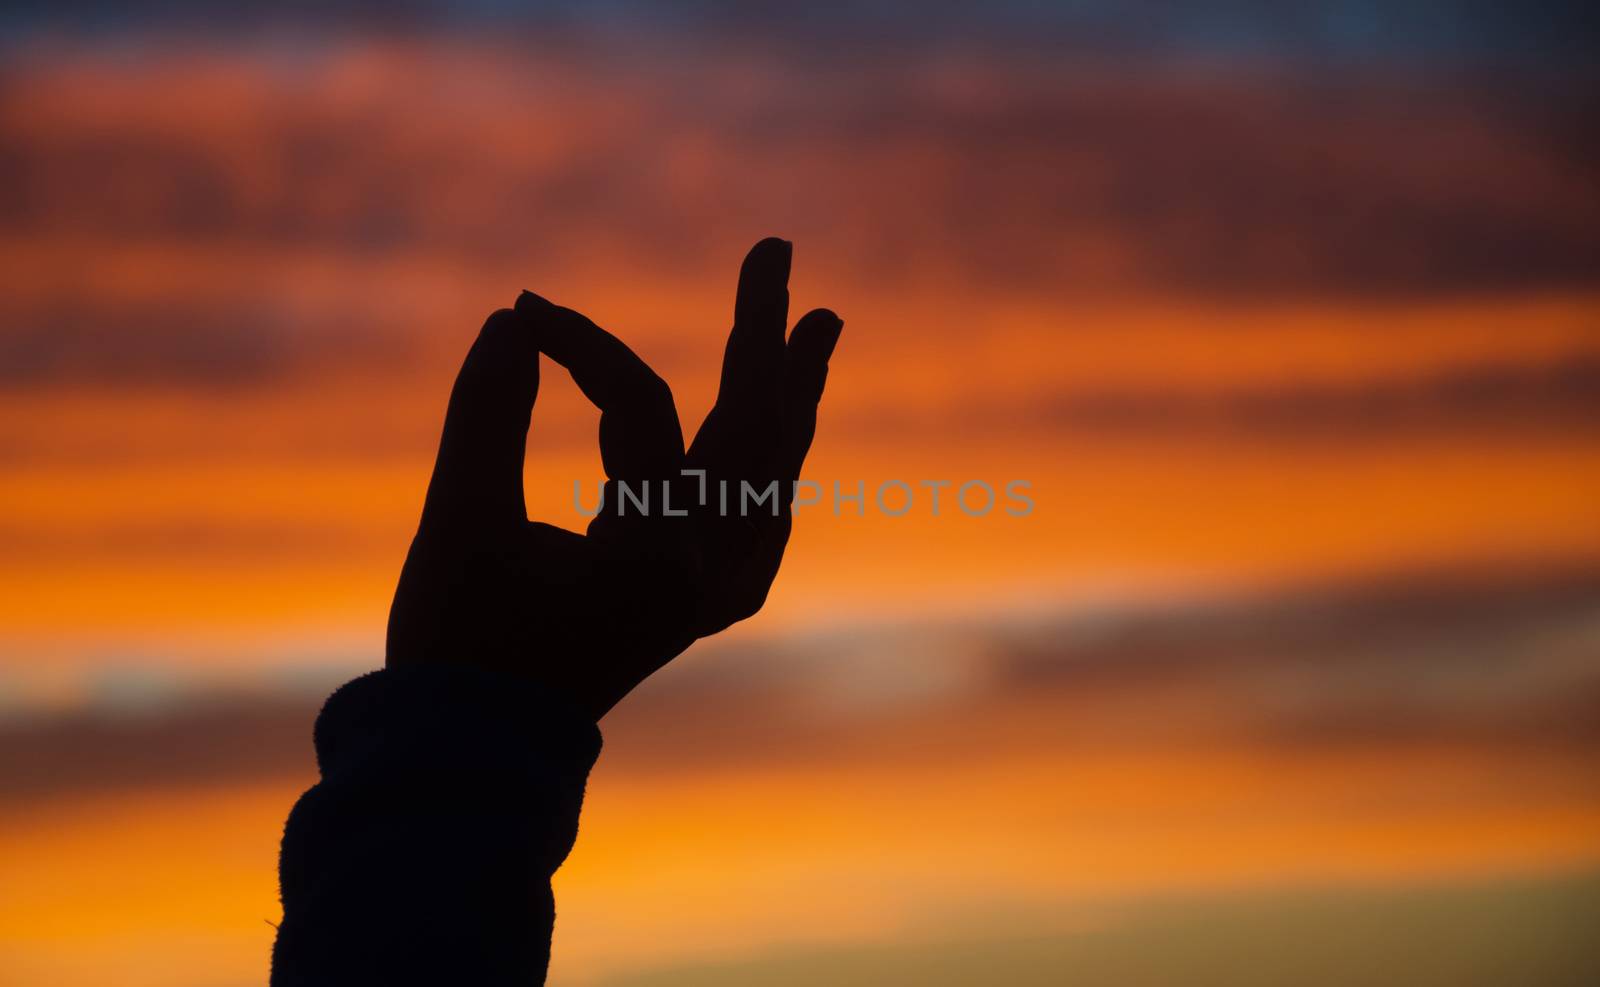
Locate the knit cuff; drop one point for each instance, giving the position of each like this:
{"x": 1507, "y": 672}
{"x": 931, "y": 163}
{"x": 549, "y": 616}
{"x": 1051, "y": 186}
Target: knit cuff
{"x": 445, "y": 721}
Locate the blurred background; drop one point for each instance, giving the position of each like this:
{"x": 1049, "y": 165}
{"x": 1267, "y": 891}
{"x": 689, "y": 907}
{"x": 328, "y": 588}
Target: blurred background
{"x": 1288, "y": 312}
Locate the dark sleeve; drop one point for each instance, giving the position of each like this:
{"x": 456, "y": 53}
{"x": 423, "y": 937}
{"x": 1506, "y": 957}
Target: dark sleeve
{"x": 448, "y": 798}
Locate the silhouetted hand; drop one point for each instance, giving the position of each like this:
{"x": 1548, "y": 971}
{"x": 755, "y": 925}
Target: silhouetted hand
{"x": 593, "y": 615}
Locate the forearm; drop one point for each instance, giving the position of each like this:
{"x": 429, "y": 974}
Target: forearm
{"x": 448, "y": 798}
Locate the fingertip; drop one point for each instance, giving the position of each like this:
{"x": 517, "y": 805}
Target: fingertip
{"x": 774, "y": 244}
{"x": 817, "y": 333}
{"x": 834, "y": 331}
{"x": 529, "y": 304}
{"x": 771, "y": 255}
{"x": 499, "y": 322}
{"x": 506, "y": 350}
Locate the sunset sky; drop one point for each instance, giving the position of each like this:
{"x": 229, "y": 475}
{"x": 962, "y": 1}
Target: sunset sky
{"x": 1287, "y": 315}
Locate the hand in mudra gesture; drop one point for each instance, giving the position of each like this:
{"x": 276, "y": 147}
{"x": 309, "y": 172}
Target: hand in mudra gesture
{"x": 592, "y": 615}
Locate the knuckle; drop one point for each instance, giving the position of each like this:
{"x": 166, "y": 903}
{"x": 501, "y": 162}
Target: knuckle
{"x": 655, "y": 391}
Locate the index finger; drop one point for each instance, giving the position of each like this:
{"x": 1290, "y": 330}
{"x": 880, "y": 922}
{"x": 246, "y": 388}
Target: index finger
{"x": 640, "y": 437}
